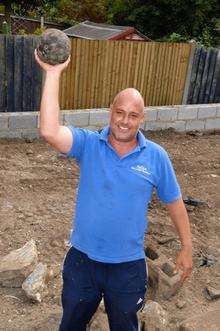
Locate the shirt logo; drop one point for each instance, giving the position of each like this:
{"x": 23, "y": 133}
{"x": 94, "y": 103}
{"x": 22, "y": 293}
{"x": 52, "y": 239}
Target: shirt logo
{"x": 141, "y": 168}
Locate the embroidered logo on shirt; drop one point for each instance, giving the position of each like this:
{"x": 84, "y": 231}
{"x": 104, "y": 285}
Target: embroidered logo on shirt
{"x": 141, "y": 168}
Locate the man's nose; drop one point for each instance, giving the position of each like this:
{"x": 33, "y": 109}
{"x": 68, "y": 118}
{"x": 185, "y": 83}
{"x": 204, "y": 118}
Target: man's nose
{"x": 125, "y": 120}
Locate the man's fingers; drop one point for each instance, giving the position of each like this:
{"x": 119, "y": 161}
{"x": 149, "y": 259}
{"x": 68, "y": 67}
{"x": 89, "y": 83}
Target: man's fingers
{"x": 176, "y": 269}
{"x": 186, "y": 273}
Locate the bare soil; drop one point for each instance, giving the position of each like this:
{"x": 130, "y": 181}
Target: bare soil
{"x": 37, "y": 199}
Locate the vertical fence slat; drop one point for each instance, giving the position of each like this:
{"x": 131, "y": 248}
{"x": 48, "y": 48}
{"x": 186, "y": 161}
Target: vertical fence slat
{"x": 76, "y": 54}
{"x": 27, "y": 73}
{"x": 94, "y": 47}
{"x": 197, "y": 92}
{"x": 204, "y": 77}
{"x": 215, "y": 89}
{"x": 10, "y": 72}
{"x": 194, "y": 75}
{"x": 152, "y": 64}
{"x": 210, "y": 74}
{"x": 2, "y": 74}
{"x": 18, "y": 72}
{"x": 36, "y": 79}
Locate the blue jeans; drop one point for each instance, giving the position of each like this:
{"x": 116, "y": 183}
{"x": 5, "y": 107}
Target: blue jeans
{"x": 85, "y": 282}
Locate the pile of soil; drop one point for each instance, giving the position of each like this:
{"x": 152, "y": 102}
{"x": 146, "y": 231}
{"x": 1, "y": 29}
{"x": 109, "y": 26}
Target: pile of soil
{"x": 37, "y": 200}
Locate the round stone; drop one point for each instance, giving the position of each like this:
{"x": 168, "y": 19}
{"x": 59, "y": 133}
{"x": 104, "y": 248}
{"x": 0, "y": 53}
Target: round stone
{"x": 54, "y": 47}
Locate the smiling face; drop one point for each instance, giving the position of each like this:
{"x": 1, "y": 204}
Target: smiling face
{"x": 127, "y": 114}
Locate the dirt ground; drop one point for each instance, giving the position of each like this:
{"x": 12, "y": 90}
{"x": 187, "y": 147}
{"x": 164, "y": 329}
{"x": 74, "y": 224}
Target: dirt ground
{"x": 37, "y": 198}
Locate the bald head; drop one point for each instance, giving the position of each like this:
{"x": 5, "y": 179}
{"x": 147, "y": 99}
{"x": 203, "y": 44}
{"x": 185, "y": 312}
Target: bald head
{"x": 130, "y": 95}
{"x": 126, "y": 116}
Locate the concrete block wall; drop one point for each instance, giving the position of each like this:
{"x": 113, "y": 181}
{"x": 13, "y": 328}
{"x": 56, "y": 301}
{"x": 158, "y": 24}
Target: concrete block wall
{"x": 181, "y": 118}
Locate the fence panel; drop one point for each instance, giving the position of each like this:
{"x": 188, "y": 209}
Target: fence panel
{"x": 97, "y": 71}
{"x": 100, "y": 69}
{"x": 2, "y": 74}
{"x": 205, "y": 77}
{"x": 20, "y": 76}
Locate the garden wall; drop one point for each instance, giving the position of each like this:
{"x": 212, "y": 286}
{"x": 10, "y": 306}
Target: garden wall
{"x": 205, "y": 117}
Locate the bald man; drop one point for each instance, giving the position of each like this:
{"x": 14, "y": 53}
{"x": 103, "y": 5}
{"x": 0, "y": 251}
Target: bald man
{"x": 119, "y": 169}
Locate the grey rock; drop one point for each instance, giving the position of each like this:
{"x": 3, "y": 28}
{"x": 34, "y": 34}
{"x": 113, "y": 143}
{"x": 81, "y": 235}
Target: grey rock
{"x": 54, "y": 47}
{"x": 35, "y": 285}
{"x": 212, "y": 293}
{"x": 180, "y": 304}
{"x": 153, "y": 317}
{"x": 18, "y": 264}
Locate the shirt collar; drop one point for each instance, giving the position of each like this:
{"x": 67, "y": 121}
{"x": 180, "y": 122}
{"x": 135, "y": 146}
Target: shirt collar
{"x": 140, "y": 137}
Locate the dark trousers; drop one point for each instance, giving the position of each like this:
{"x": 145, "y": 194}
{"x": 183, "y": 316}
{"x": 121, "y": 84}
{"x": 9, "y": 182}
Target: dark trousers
{"x": 85, "y": 282}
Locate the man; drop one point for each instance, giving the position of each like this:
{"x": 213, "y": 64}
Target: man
{"x": 119, "y": 168}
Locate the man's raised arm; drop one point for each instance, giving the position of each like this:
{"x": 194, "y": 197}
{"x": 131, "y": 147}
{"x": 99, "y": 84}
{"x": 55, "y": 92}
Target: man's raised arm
{"x": 58, "y": 136}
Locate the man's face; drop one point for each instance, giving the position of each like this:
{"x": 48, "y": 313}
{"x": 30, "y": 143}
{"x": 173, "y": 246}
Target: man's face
{"x": 125, "y": 120}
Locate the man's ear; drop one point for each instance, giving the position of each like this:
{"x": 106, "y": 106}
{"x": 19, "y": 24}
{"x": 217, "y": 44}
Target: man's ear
{"x": 143, "y": 117}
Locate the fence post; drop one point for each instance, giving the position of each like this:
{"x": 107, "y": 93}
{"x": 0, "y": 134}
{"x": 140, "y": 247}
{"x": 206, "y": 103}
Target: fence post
{"x": 188, "y": 75}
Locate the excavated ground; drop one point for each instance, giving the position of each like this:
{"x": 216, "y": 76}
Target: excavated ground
{"x": 37, "y": 199}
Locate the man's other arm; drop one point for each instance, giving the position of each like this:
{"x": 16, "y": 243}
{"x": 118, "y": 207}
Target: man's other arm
{"x": 179, "y": 217}
{"x": 58, "y": 136}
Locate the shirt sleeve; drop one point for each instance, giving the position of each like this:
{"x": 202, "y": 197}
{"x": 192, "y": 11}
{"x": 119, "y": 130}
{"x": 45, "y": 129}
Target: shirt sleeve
{"x": 168, "y": 189}
{"x": 78, "y": 146}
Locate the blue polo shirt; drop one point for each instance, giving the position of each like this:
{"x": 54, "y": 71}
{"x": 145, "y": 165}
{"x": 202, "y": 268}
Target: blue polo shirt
{"x": 114, "y": 193}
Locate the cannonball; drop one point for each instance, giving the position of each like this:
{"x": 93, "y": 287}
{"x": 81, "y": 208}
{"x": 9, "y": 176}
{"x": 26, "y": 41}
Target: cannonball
{"x": 54, "y": 47}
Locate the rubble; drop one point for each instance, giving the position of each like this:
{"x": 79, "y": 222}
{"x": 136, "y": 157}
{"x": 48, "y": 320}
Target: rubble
{"x": 161, "y": 275}
{"x": 212, "y": 293}
{"x": 153, "y": 317}
{"x": 206, "y": 260}
{"x": 180, "y": 304}
{"x": 35, "y": 285}
{"x": 18, "y": 264}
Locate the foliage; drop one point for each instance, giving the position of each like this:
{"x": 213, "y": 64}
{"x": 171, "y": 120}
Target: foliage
{"x": 6, "y": 28}
{"x": 83, "y": 10}
{"x": 160, "y": 18}
{"x": 166, "y": 20}
{"x": 175, "y": 38}
{"x": 39, "y": 31}
{"x": 22, "y": 32}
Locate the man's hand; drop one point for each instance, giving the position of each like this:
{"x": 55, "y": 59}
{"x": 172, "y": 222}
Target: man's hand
{"x": 58, "y": 68}
{"x": 180, "y": 219}
{"x": 184, "y": 263}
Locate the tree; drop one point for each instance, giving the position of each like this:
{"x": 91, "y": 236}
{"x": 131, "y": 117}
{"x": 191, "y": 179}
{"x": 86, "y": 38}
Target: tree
{"x": 21, "y": 7}
{"x": 94, "y": 10}
{"x": 160, "y": 18}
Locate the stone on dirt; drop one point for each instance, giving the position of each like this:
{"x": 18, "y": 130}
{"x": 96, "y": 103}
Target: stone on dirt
{"x": 35, "y": 285}
{"x": 153, "y": 317}
{"x": 203, "y": 322}
{"x": 212, "y": 293}
{"x": 180, "y": 303}
{"x": 18, "y": 264}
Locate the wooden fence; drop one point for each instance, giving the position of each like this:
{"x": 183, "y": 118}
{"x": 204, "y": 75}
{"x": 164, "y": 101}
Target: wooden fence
{"x": 100, "y": 69}
{"x": 205, "y": 77}
{"x": 20, "y": 76}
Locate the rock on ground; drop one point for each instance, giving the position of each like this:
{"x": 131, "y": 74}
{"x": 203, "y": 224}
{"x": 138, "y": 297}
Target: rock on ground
{"x": 153, "y": 317}
{"x": 18, "y": 264}
{"x": 35, "y": 285}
